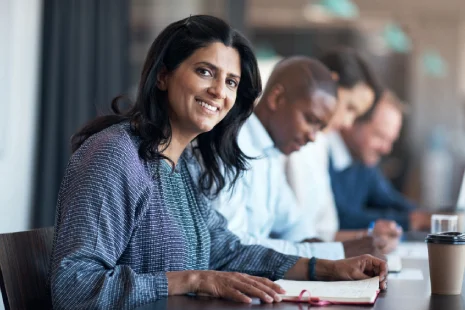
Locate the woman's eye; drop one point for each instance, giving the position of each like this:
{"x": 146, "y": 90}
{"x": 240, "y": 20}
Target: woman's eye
{"x": 232, "y": 83}
{"x": 311, "y": 120}
{"x": 204, "y": 72}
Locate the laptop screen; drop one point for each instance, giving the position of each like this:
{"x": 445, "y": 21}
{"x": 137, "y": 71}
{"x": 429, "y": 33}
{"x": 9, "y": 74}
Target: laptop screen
{"x": 461, "y": 196}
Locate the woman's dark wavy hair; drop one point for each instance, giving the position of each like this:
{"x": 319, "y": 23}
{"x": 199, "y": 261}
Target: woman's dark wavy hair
{"x": 222, "y": 158}
{"x": 352, "y": 69}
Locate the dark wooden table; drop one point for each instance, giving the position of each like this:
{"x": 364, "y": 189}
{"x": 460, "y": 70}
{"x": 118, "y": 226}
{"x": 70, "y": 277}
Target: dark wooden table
{"x": 401, "y": 295}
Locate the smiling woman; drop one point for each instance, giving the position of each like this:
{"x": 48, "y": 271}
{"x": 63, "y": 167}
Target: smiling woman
{"x": 132, "y": 226}
{"x": 196, "y": 60}
{"x": 358, "y": 87}
{"x": 202, "y": 90}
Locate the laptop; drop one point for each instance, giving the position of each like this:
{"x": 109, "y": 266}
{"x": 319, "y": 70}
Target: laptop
{"x": 457, "y": 202}
{"x": 460, "y": 206}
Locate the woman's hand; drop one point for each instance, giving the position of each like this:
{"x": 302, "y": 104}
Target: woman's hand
{"x": 386, "y": 245}
{"x": 387, "y": 233}
{"x": 230, "y": 285}
{"x": 385, "y": 228}
{"x": 355, "y": 268}
{"x": 365, "y": 245}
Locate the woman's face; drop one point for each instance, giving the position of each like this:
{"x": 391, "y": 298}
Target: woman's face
{"x": 202, "y": 90}
{"x": 352, "y": 102}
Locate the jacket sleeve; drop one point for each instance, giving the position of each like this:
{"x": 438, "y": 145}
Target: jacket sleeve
{"x": 229, "y": 254}
{"x": 101, "y": 199}
{"x": 382, "y": 201}
{"x": 382, "y": 195}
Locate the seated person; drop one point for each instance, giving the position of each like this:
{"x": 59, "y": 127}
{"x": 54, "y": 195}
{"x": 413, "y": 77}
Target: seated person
{"x": 307, "y": 169}
{"x": 298, "y": 101}
{"x": 132, "y": 226}
{"x": 362, "y": 194}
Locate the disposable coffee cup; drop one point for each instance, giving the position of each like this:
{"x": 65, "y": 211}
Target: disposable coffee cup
{"x": 446, "y": 255}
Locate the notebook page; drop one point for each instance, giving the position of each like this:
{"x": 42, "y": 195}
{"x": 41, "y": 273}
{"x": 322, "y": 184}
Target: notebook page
{"x": 339, "y": 289}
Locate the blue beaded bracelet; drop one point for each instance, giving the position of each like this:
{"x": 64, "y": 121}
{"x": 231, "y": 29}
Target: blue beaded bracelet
{"x": 311, "y": 269}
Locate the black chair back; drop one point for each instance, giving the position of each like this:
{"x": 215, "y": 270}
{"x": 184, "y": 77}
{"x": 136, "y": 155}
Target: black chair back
{"x": 24, "y": 263}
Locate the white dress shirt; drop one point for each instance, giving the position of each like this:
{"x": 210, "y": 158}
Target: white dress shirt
{"x": 340, "y": 154}
{"x": 262, "y": 209}
{"x": 308, "y": 176}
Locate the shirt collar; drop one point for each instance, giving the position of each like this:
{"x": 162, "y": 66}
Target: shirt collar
{"x": 340, "y": 154}
{"x": 260, "y": 137}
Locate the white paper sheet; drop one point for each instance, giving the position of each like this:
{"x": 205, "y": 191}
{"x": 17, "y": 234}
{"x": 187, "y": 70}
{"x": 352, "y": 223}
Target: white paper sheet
{"x": 412, "y": 250}
{"x": 394, "y": 263}
{"x": 407, "y": 274}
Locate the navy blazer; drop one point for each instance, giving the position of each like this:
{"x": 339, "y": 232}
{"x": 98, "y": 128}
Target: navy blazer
{"x": 362, "y": 195}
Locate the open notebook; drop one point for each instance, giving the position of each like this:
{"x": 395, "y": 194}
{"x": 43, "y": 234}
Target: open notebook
{"x": 341, "y": 292}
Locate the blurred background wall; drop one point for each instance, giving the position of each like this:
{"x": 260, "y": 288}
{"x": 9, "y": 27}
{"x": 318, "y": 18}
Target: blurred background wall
{"x": 20, "y": 35}
{"x": 84, "y": 65}
{"x": 62, "y": 61}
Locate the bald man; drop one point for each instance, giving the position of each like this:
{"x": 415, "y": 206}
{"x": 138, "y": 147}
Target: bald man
{"x": 298, "y": 101}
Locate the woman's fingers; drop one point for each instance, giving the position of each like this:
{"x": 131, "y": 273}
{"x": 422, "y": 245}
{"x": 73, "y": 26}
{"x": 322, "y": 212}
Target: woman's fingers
{"x": 253, "y": 288}
{"x": 391, "y": 246}
{"x": 236, "y": 295}
{"x": 266, "y": 290}
{"x": 272, "y": 289}
{"x": 238, "y": 287}
{"x": 275, "y": 287}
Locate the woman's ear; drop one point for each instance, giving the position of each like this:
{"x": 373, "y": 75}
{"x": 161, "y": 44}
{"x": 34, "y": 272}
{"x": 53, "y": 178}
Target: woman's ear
{"x": 162, "y": 79}
{"x": 273, "y": 97}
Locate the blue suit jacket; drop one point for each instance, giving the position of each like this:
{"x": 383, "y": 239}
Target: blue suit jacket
{"x": 362, "y": 195}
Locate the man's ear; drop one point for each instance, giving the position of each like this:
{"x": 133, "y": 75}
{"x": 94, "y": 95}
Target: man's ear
{"x": 274, "y": 96}
{"x": 162, "y": 79}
